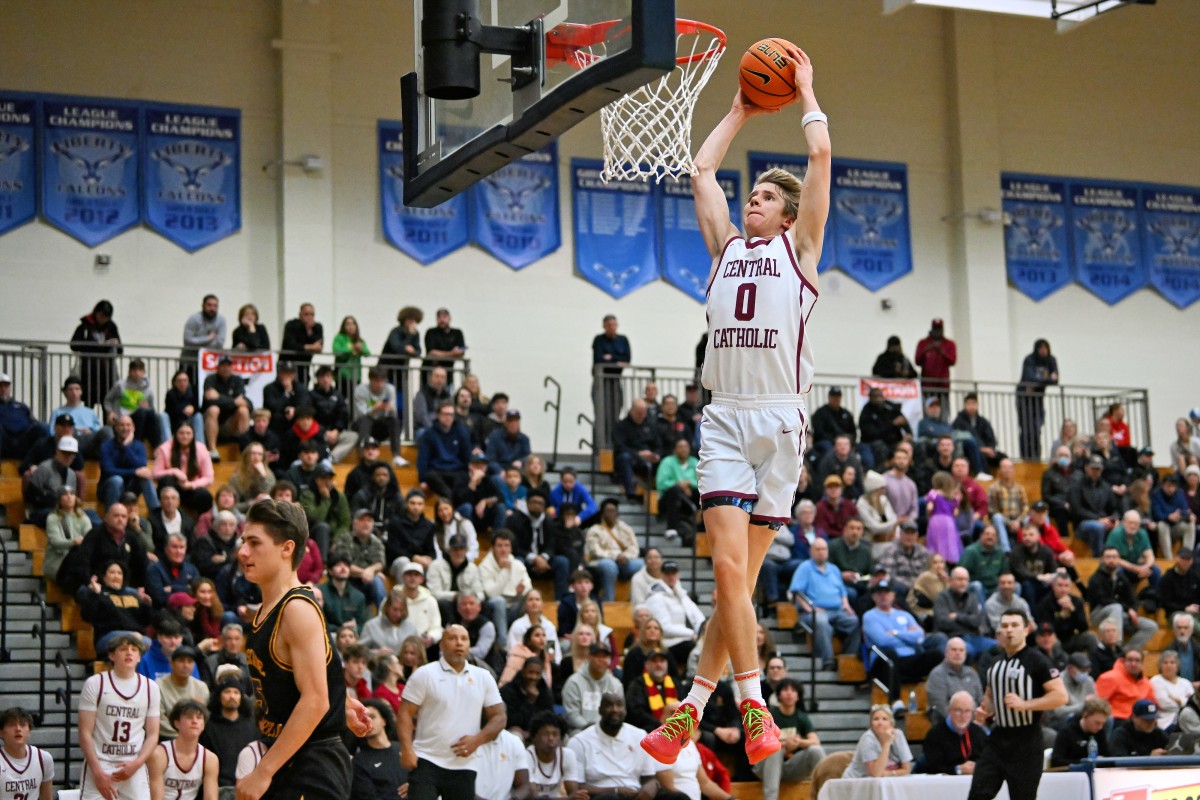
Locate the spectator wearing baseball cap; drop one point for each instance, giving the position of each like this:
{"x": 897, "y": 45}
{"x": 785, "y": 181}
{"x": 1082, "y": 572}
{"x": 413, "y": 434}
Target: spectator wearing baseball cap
{"x": 49, "y": 476}
{"x": 1078, "y": 682}
{"x": 44, "y": 447}
{"x": 327, "y": 508}
{"x": 423, "y": 608}
{"x": 507, "y": 446}
{"x": 1095, "y": 508}
{"x": 833, "y": 509}
{"x": 453, "y": 574}
{"x": 582, "y": 691}
{"x": 366, "y": 553}
{"x": 179, "y": 685}
{"x": 1139, "y": 735}
{"x": 345, "y": 605}
{"x": 19, "y": 429}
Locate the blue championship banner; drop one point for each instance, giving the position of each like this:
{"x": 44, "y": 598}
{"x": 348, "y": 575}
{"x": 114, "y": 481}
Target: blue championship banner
{"x": 685, "y": 259}
{"x": 1171, "y": 241}
{"x": 616, "y": 241}
{"x": 515, "y": 210}
{"x": 1036, "y": 245}
{"x": 1107, "y": 243}
{"x": 426, "y": 234}
{"x": 798, "y": 166}
{"x": 870, "y": 201}
{"x": 18, "y": 169}
{"x": 90, "y": 167}
{"x": 191, "y": 163}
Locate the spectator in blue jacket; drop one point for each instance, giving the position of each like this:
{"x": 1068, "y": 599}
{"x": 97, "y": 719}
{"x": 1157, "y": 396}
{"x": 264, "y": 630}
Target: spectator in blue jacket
{"x": 507, "y": 446}
{"x": 1169, "y": 508}
{"x": 898, "y": 635}
{"x": 89, "y": 429}
{"x": 823, "y": 591}
{"x": 168, "y": 637}
{"x": 19, "y": 429}
{"x": 123, "y": 466}
{"x": 443, "y": 452}
{"x": 570, "y": 490}
{"x": 172, "y": 573}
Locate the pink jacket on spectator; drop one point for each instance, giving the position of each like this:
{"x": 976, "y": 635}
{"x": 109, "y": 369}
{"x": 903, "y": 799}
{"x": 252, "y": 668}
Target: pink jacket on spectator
{"x": 163, "y": 468}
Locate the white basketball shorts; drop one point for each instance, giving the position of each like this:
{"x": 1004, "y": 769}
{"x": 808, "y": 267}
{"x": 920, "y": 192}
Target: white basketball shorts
{"x": 136, "y": 788}
{"x": 752, "y": 448}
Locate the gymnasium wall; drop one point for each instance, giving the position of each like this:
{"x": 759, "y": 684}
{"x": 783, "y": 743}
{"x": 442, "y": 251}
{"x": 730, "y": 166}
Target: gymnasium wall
{"x": 957, "y": 96}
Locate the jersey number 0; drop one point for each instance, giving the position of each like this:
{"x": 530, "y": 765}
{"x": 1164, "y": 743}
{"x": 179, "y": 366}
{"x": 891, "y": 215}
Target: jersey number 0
{"x": 743, "y": 305}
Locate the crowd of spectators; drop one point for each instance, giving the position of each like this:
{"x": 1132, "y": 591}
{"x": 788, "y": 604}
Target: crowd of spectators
{"x": 392, "y": 577}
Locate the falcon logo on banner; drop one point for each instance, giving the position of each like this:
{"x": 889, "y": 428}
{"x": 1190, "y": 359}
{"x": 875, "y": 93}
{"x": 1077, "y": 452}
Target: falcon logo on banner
{"x": 1036, "y": 245}
{"x": 870, "y": 200}
{"x": 426, "y": 234}
{"x": 1171, "y": 241}
{"x": 18, "y": 170}
{"x": 616, "y": 241}
{"x": 798, "y": 166}
{"x": 90, "y": 167}
{"x": 1107, "y": 242}
{"x": 515, "y": 210}
{"x": 685, "y": 259}
{"x": 191, "y": 160}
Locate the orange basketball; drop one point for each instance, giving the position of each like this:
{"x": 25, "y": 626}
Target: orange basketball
{"x": 766, "y": 74}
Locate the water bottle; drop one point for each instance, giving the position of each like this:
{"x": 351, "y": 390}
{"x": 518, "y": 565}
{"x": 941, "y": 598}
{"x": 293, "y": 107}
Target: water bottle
{"x": 912, "y": 701}
{"x": 1093, "y": 748}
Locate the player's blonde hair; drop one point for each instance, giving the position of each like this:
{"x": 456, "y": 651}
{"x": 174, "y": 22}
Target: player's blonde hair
{"x": 789, "y": 186}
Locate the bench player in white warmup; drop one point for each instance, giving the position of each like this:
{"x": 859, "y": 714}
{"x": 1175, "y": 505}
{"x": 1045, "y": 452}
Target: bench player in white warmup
{"x": 118, "y": 725}
{"x": 758, "y": 365}
{"x": 26, "y": 772}
{"x": 169, "y": 778}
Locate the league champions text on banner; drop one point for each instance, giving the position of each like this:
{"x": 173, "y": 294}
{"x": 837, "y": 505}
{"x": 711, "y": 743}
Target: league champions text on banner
{"x": 515, "y": 210}
{"x": 798, "y": 166}
{"x": 1036, "y": 244}
{"x": 685, "y": 259}
{"x": 256, "y": 369}
{"x": 191, "y": 162}
{"x": 426, "y": 234}
{"x": 90, "y": 167}
{"x": 616, "y": 241}
{"x": 1106, "y": 238}
{"x": 18, "y": 160}
{"x": 904, "y": 393}
{"x": 1170, "y": 241}
{"x": 870, "y": 201}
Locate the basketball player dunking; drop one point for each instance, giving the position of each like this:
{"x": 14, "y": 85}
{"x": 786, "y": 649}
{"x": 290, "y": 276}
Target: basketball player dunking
{"x": 758, "y": 364}
{"x": 302, "y": 707}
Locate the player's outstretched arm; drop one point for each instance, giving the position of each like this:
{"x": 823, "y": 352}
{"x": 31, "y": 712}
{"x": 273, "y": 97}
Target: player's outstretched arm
{"x": 814, "y": 200}
{"x": 712, "y": 212}
{"x": 302, "y": 641}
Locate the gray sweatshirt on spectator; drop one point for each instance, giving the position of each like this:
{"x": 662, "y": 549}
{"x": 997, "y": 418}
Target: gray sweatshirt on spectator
{"x": 944, "y": 682}
{"x": 197, "y": 330}
{"x": 581, "y": 697}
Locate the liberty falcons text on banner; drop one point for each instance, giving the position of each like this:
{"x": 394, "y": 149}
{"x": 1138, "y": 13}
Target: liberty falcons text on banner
{"x": 90, "y": 167}
{"x": 426, "y": 234}
{"x": 1106, "y": 238}
{"x": 514, "y": 212}
{"x": 191, "y": 161}
{"x": 1171, "y": 241}
{"x": 1036, "y": 244}
{"x": 870, "y": 201}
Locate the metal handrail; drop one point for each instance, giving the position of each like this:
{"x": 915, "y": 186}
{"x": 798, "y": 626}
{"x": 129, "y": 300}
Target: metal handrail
{"x": 5, "y": 653}
{"x": 811, "y": 629}
{"x": 39, "y": 631}
{"x": 555, "y": 404}
{"x": 891, "y": 672}
{"x": 591, "y": 448}
{"x": 63, "y": 696}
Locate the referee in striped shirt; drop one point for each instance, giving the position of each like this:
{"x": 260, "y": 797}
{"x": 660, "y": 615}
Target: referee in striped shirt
{"x": 1020, "y": 687}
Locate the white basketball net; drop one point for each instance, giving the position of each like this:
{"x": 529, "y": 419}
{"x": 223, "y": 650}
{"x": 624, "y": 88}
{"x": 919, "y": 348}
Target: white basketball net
{"x": 648, "y": 132}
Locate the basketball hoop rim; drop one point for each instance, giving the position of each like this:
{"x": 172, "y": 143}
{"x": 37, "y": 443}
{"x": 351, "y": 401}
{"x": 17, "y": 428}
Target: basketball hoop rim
{"x": 570, "y": 39}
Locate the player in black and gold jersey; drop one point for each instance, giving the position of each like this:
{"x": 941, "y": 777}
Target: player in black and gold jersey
{"x": 299, "y": 687}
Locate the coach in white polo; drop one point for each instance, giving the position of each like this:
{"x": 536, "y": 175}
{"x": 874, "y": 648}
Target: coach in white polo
{"x": 612, "y": 760}
{"x": 444, "y": 701}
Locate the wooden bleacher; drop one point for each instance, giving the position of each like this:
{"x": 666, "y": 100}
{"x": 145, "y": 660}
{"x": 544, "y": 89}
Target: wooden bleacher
{"x": 752, "y": 790}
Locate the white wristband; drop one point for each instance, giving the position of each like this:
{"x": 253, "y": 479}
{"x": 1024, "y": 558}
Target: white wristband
{"x": 813, "y": 116}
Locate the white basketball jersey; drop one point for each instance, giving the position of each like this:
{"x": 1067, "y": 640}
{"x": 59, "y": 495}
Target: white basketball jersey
{"x": 183, "y": 784}
{"x": 22, "y": 780}
{"x": 758, "y": 307}
{"x": 120, "y": 715}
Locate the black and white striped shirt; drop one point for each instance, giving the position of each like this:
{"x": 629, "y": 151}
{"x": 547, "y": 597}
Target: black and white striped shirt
{"x": 1025, "y": 673}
